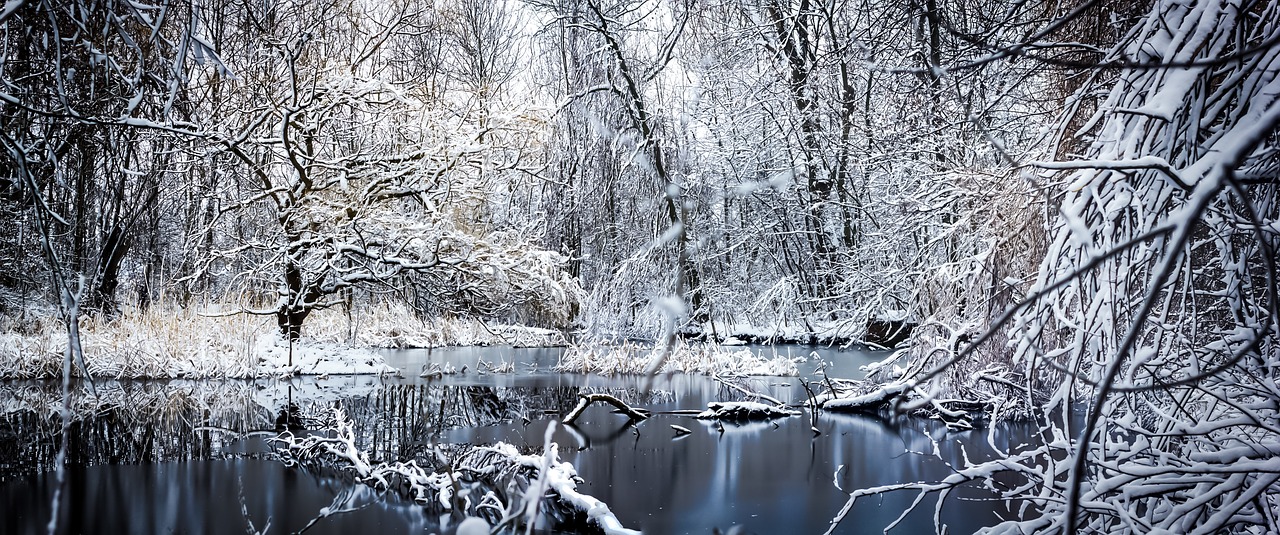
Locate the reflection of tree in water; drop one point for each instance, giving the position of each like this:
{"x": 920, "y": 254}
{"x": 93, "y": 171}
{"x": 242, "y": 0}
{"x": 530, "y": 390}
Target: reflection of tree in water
{"x": 404, "y": 421}
{"x": 163, "y": 421}
{"x": 127, "y": 423}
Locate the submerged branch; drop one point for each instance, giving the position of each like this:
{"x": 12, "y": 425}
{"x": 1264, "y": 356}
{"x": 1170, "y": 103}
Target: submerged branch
{"x": 506, "y": 475}
{"x": 586, "y": 400}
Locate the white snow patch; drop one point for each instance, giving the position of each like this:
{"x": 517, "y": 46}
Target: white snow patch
{"x": 694, "y": 359}
{"x": 273, "y": 358}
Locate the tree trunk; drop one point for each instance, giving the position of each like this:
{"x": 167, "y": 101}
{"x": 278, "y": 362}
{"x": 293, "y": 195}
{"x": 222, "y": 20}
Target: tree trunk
{"x": 298, "y": 305}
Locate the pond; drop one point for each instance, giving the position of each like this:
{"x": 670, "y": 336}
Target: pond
{"x": 194, "y": 456}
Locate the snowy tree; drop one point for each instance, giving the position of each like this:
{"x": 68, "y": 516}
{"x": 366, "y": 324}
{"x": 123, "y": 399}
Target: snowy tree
{"x": 611, "y": 58}
{"x": 1154, "y": 314}
{"x": 1158, "y": 289}
{"x": 78, "y": 79}
{"x": 350, "y": 182}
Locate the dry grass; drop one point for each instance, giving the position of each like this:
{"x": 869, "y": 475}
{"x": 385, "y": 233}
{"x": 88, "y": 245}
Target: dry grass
{"x": 167, "y": 341}
{"x": 164, "y": 341}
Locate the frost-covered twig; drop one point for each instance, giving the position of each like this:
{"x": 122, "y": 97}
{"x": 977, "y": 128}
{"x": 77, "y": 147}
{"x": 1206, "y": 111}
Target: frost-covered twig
{"x": 1155, "y": 306}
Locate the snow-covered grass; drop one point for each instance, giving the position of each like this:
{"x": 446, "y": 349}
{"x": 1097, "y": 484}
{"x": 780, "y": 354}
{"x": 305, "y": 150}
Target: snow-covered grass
{"x": 167, "y": 341}
{"x": 704, "y": 359}
{"x": 237, "y": 405}
{"x": 399, "y": 326}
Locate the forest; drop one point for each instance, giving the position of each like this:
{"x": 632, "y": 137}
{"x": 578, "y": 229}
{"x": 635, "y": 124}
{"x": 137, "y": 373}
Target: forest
{"x": 1063, "y": 214}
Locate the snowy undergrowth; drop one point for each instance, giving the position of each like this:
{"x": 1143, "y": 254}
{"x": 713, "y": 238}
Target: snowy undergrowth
{"x": 211, "y": 341}
{"x": 703, "y": 359}
{"x": 497, "y": 484}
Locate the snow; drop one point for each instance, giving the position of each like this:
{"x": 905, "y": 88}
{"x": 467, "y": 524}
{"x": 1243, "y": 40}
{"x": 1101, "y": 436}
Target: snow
{"x": 670, "y": 235}
{"x": 743, "y": 410}
{"x": 562, "y": 478}
{"x": 338, "y": 447}
{"x": 216, "y": 341}
{"x": 702, "y": 359}
{"x": 869, "y": 400}
{"x": 273, "y": 358}
{"x": 133, "y": 355}
{"x": 778, "y": 182}
{"x": 473, "y": 526}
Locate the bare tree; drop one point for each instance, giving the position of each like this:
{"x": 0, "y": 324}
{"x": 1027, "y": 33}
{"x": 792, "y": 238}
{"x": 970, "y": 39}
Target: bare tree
{"x": 622, "y": 75}
{"x": 360, "y": 185}
{"x": 1154, "y": 313}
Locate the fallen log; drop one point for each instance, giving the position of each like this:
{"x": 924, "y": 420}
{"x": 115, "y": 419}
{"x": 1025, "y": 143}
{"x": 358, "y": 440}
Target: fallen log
{"x": 866, "y": 402}
{"x": 743, "y": 411}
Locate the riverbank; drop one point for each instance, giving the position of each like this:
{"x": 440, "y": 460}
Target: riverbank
{"x": 212, "y": 341}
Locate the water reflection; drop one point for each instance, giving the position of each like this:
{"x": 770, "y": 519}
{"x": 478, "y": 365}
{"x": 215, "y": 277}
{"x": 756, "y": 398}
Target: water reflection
{"x": 222, "y": 496}
{"x": 769, "y": 477}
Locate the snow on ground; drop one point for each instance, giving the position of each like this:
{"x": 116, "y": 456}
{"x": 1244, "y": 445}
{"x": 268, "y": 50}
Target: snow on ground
{"x": 276, "y": 357}
{"x": 137, "y": 355}
{"x": 703, "y": 359}
{"x": 396, "y": 326}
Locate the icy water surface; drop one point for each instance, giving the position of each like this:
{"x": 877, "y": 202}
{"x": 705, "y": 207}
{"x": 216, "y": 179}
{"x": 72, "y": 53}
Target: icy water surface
{"x": 191, "y": 456}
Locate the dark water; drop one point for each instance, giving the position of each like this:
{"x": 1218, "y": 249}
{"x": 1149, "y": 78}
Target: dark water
{"x": 215, "y": 496}
{"x": 190, "y": 456}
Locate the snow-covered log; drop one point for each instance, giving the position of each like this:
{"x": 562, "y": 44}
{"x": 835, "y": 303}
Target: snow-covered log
{"x": 866, "y": 402}
{"x": 562, "y": 479}
{"x": 743, "y": 411}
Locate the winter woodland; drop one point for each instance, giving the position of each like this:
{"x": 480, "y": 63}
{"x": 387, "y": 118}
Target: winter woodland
{"x": 1061, "y": 212}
